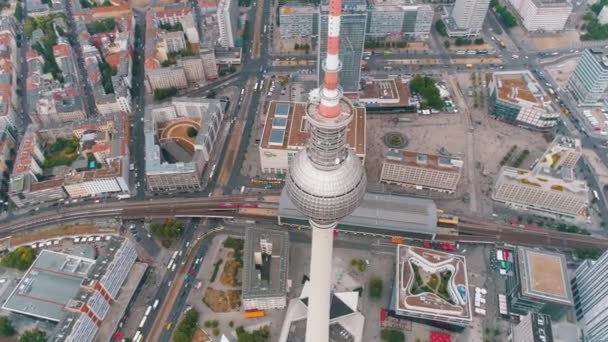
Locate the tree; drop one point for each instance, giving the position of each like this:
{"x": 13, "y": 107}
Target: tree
{"x": 260, "y": 335}
{"x": 19, "y": 11}
{"x": 446, "y": 44}
{"x": 479, "y": 41}
{"x": 440, "y": 28}
{"x": 191, "y": 132}
{"x": 392, "y": 335}
{"x": 34, "y": 335}
{"x": 161, "y": 94}
{"x": 186, "y": 328}
{"x": 587, "y": 253}
{"x": 6, "y": 327}
{"x": 375, "y": 288}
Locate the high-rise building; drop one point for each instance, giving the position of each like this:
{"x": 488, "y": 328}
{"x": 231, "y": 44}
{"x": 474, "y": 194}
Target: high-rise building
{"x": 298, "y": 20}
{"x": 590, "y": 291}
{"x": 533, "y": 327}
{"x": 543, "y": 15}
{"x": 352, "y": 41}
{"x": 466, "y": 17}
{"x": 589, "y": 81}
{"x": 326, "y": 181}
{"x": 228, "y": 22}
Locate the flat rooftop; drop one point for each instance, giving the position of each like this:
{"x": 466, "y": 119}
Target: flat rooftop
{"x": 543, "y": 276}
{"x": 399, "y": 214}
{"x": 265, "y": 275}
{"x": 424, "y": 160}
{"x": 544, "y": 181}
{"x": 420, "y": 289}
{"x": 51, "y": 282}
{"x": 388, "y": 92}
{"x": 519, "y": 87}
{"x": 286, "y": 127}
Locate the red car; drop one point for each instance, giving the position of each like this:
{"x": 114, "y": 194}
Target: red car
{"x": 426, "y": 244}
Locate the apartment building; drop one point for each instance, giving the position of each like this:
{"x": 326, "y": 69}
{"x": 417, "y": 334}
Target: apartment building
{"x": 543, "y": 15}
{"x": 420, "y": 170}
{"x": 298, "y": 20}
{"x": 517, "y": 97}
{"x": 228, "y": 22}
{"x": 193, "y": 68}
{"x": 209, "y": 64}
{"x": 589, "y": 80}
{"x": 169, "y": 77}
{"x": 398, "y": 17}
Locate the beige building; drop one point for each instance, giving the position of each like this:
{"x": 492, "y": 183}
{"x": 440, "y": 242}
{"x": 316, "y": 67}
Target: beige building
{"x": 420, "y": 170}
{"x": 163, "y": 78}
{"x": 209, "y": 64}
{"x": 286, "y": 132}
{"x": 543, "y": 192}
{"x": 193, "y": 68}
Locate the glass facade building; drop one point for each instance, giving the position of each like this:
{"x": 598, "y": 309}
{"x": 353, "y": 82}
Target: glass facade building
{"x": 590, "y": 291}
{"x": 589, "y": 81}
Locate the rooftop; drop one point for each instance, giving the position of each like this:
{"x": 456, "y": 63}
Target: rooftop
{"x": 385, "y": 92}
{"x": 520, "y": 87}
{"x": 432, "y": 284}
{"x": 265, "y": 269}
{"x": 564, "y": 151}
{"x": 429, "y": 161}
{"x": 382, "y": 212}
{"x": 544, "y": 276}
{"x": 51, "y": 282}
{"x": 544, "y": 181}
{"x": 286, "y": 127}
{"x": 600, "y": 56}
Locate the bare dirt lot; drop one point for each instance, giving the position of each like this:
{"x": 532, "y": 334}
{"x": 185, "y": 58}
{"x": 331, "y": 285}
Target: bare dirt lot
{"x": 556, "y": 41}
{"x": 228, "y": 276}
{"x": 562, "y": 72}
{"x": 222, "y": 301}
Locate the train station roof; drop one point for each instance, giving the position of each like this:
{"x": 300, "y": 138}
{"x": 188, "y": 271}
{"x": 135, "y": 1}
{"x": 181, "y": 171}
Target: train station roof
{"x": 382, "y": 212}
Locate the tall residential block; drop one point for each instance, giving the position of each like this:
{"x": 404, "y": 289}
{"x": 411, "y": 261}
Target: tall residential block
{"x": 298, "y": 20}
{"x": 352, "y": 39}
{"x": 398, "y": 17}
{"x": 589, "y": 81}
{"x": 466, "y": 17}
{"x": 533, "y": 327}
{"x": 228, "y": 22}
{"x": 590, "y": 291}
{"x": 543, "y": 15}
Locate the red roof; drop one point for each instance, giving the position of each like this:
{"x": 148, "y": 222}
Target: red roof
{"x": 113, "y": 59}
{"x": 31, "y": 53}
{"x": 437, "y": 336}
{"x": 61, "y": 50}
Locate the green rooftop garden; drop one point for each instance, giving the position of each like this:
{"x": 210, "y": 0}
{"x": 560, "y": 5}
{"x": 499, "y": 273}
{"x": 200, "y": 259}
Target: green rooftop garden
{"x": 436, "y": 283}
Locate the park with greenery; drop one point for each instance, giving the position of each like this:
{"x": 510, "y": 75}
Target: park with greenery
{"x": 591, "y": 253}
{"x": 237, "y": 245}
{"x": 62, "y": 152}
{"x": 6, "y": 327}
{"x": 376, "y": 287}
{"x": 503, "y": 14}
{"x": 392, "y": 335}
{"x": 106, "y": 76}
{"x": 359, "y": 264}
{"x": 21, "y": 258}
{"x": 260, "y": 335}
{"x": 426, "y": 88}
{"x": 167, "y": 232}
{"x": 100, "y": 26}
{"x": 436, "y": 283}
{"x": 186, "y": 328}
{"x": 594, "y": 30}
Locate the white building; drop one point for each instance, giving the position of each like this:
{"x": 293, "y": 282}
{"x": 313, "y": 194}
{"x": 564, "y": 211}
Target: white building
{"x": 466, "y": 17}
{"x": 543, "y": 15}
{"x": 603, "y": 16}
{"x": 297, "y": 20}
{"x": 589, "y": 80}
{"x": 590, "y": 290}
{"x": 228, "y": 22}
{"x": 399, "y": 17}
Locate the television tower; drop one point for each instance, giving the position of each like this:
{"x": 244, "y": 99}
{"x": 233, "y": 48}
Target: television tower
{"x": 326, "y": 180}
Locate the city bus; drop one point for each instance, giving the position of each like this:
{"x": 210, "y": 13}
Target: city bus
{"x": 388, "y": 53}
{"x": 367, "y": 53}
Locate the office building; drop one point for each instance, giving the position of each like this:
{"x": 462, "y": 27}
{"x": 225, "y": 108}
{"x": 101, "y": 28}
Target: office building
{"x": 517, "y": 97}
{"x": 421, "y": 170}
{"x": 85, "y": 292}
{"x": 543, "y": 15}
{"x": 326, "y": 180}
{"x": 398, "y": 17}
{"x": 286, "y": 132}
{"x": 298, "y": 20}
{"x": 533, "y": 327}
{"x": 353, "y": 23}
{"x": 539, "y": 283}
{"x": 209, "y": 65}
{"x": 450, "y": 308}
{"x": 228, "y": 22}
{"x": 386, "y": 96}
{"x": 175, "y": 160}
{"x": 589, "y": 81}
{"x": 590, "y": 290}
{"x": 265, "y": 269}
{"x": 466, "y": 17}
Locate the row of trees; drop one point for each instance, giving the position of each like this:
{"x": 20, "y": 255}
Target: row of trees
{"x": 186, "y": 328}
{"x": 161, "y": 94}
{"x": 167, "y": 231}
{"x": 425, "y": 87}
{"x": 503, "y": 14}
{"x": 106, "y": 76}
{"x": 101, "y": 26}
{"x": 594, "y": 29}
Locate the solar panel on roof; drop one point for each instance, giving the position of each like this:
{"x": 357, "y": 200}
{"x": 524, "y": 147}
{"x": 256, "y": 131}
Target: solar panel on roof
{"x": 281, "y": 109}
{"x": 279, "y": 123}
{"x": 276, "y": 136}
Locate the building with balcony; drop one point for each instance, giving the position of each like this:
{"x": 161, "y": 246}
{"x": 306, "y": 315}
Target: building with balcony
{"x": 398, "y": 17}
{"x": 466, "y": 17}
{"x": 543, "y": 15}
{"x": 589, "y": 81}
{"x": 298, "y": 19}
